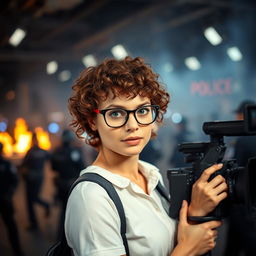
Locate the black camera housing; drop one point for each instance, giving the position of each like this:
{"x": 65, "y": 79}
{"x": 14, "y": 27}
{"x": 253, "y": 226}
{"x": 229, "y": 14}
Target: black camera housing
{"x": 203, "y": 155}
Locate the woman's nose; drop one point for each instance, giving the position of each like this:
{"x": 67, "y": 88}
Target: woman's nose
{"x": 131, "y": 123}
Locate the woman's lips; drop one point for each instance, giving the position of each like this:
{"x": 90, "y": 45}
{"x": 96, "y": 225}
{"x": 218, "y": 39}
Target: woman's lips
{"x": 132, "y": 141}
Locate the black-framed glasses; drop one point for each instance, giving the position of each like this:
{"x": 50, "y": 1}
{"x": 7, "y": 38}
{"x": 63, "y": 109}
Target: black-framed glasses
{"x": 117, "y": 117}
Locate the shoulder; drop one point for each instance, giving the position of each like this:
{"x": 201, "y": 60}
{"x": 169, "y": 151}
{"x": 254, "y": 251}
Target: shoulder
{"x": 92, "y": 223}
{"x": 89, "y": 211}
{"x": 89, "y": 196}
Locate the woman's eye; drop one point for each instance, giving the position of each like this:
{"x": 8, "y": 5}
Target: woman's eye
{"x": 143, "y": 111}
{"x": 116, "y": 113}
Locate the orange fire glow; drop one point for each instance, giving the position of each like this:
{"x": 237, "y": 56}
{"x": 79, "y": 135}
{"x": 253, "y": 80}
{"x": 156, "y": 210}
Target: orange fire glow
{"x": 23, "y": 139}
{"x": 22, "y": 136}
{"x": 7, "y": 141}
{"x": 43, "y": 138}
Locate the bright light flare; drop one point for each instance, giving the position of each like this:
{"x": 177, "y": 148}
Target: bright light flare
{"x": 3, "y": 126}
{"x": 17, "y": 37}
{"x": 53, "y": 127}
{"x": 176, "y": 118}
{"x": 192, "y": 63}
{"x": 51, "y": 67}
{"x": 212, "y": 36}
{"x": 234, "y": 54}
{"x": 64, "y": 75}
{"x": 119, "y": 52}
{"x": 89, "y": 61}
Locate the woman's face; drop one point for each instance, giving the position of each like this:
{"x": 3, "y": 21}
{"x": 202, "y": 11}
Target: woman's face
{"x": 131, "y": 138}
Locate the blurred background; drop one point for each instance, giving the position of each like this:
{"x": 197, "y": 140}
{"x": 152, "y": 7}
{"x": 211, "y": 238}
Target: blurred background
{"x": 203, "y": 50}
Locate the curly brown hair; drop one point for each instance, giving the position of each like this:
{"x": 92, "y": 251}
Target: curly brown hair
{"x": 130, "y": 76}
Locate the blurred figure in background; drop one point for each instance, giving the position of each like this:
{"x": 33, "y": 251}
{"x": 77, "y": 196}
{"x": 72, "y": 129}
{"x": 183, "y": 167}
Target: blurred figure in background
{"x": 177, "y": 158}
{"x": 241, "y": 236}
{"x": 33, "y": 173}
{"x": 8, "y": 184}
{"x": 66, "y": 161}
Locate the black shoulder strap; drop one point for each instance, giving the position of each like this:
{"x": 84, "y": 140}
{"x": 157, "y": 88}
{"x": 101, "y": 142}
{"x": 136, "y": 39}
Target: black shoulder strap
{"x": 94, "y": 177}
{"x": 162, "y": 191}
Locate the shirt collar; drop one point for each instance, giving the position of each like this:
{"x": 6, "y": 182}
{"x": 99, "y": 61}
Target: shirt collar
{"x": 150, "y": 172}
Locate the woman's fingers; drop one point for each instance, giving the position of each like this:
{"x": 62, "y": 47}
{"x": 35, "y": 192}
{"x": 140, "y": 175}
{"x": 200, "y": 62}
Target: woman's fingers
{"x": 209, "y": 171}
{"x": 214, "y": 233}
{"x": 221, "y": 188}
{"x": 216, "y": 181}
{"x": 200, "y": 238}
{"x": 222, "y": 196}
{"x": 184, "y": 212}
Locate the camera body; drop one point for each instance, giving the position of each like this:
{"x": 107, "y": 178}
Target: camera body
{"x": 203, "y": 155}
{"x": 181, "y": 181}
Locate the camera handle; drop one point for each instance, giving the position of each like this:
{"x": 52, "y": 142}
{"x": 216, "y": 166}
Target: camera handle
{"x": 202, "y": 220}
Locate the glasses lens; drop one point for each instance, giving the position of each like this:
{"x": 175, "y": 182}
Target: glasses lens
{"x": 115, "y": 117}
{"x": 146, "y": 114}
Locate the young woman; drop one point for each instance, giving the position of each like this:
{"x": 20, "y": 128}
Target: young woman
{"x": 116, "y": 104}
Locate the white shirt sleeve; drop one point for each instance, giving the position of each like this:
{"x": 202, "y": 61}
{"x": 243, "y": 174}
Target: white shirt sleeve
{"x": 92, "y": 223}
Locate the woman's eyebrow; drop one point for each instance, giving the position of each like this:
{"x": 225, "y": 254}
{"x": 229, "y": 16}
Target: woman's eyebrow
{"x": 120, "y": 106}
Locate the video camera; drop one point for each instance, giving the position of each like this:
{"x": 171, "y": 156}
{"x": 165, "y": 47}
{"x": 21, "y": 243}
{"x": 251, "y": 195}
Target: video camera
{"x": 241, "y": 189}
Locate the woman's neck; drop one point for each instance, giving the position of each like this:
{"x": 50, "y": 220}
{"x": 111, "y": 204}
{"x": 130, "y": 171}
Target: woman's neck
{"x": 127, "y": 166}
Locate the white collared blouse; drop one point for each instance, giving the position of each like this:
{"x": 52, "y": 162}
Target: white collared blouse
{"x": 92, "y": 223}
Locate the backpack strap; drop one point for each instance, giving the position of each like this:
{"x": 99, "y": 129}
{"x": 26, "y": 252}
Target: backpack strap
{"x": 94, "y": 177}
{"x": 162, "y": 191}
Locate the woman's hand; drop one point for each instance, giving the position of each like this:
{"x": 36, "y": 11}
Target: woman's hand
{"x": 206, "y": 195}
{"x": 194, "y": 239}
